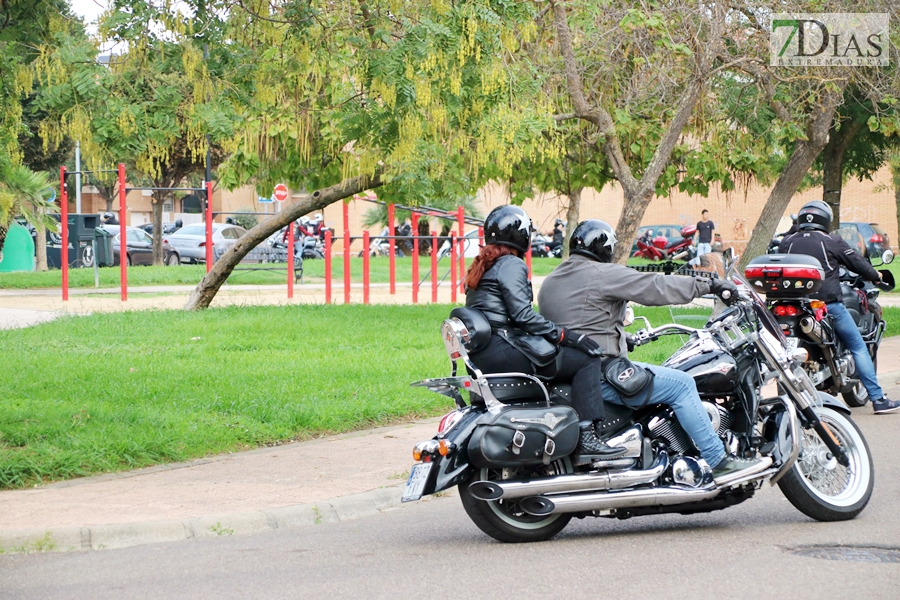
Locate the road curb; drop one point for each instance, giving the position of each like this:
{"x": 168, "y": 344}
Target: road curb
{"x": 125, "y": 535}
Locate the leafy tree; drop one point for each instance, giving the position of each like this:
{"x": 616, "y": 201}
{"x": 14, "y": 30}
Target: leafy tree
{"x": 411, "y": 98}
{"x": 148, "y": 106}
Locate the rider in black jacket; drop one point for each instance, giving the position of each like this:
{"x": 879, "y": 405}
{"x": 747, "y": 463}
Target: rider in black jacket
{"x": 497, "y": 285}
{"x": 814, "y": 221}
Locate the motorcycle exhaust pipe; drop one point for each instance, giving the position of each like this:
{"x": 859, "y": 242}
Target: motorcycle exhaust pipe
{"x": 540, "y": 506}
{"x": 604, "y": 480}
{"x": 812, "y": 328}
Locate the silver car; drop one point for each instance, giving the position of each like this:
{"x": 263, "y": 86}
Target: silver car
{"x": 190, "y": 241}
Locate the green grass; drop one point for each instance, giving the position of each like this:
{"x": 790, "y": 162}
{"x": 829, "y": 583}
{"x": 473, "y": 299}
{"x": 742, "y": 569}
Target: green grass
{"x": 107, "y": 392}
{"x": 379, "y": 272}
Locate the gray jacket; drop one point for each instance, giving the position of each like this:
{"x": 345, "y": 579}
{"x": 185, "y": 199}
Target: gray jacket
{"x": 590, "y": 297}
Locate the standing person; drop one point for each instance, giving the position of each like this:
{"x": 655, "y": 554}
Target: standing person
{"x": 704, "y": 233}
{"x": 497, "y": 285}
{"x": 814, "y": 222}
{"x": 590, "y": 293}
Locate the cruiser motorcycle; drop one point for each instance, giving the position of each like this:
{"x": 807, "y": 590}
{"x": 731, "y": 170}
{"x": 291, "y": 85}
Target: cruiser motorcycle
{"x": 510, "y": 449}
{"x": 806, "y": 322}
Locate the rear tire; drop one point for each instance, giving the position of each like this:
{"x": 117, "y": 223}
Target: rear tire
{"x": 859, "y": 396}
{"x": 819, "y": 487}
{"x": 503, "y": 520}
{"x": 173, "y": 260}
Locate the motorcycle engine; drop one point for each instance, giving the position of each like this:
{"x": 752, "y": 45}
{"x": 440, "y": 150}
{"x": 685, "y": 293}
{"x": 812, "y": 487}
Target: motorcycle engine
{"x": 665, "y": 426}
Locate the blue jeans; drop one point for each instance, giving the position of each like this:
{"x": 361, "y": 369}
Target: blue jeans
{"x": 678, "y": 390}
{"x": 846, "y": 329}
{"x": 703, "y": 248}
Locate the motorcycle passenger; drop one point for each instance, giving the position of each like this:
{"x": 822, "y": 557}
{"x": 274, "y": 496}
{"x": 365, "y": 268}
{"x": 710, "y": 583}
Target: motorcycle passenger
{"x": 497, "y": 285}
{"x": 589, "y": 293}
{"x": 832, "y": 251}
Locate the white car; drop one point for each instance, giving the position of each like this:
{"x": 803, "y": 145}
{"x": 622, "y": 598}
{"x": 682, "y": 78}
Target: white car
{"x": 190, "y": 241}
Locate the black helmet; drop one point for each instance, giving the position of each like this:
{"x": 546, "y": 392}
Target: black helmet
{"x": 595, "y": 239}
{"x": 510, "y": 226}
{"x": 815, "y": 215}
{"x": 107, "y": 216}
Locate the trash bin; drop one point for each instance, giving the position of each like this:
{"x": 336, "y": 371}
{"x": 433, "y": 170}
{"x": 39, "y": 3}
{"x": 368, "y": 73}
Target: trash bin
{"x": 103, "y": 242}
{"x": 18, "y": 250}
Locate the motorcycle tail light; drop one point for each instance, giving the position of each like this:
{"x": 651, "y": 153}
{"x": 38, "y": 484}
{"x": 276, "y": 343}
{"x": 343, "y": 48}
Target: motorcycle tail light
{"x": 817, "y": 304}
{"x": 786, "y": 310}
{"x": 448, "y": 421}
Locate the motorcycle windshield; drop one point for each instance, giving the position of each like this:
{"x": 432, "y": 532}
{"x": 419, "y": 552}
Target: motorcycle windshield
{"x": 759, "y": 308}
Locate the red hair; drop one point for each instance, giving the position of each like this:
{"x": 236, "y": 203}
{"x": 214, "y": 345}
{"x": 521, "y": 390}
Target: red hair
{"x": 484, "y": 261}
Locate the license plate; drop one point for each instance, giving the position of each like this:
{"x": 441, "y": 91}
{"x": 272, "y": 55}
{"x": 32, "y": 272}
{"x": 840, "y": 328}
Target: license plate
{"x": 416, "y": 482}
{"x": 791, "y": 344}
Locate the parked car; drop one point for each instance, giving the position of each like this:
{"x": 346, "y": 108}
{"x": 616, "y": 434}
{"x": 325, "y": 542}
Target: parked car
{"x": 167, "y": 227}
{"x": 190, "y": 241}
{"x": 855, "y": 240}
{"x": 138, "y": 247}
{"x": 876, "y": 238}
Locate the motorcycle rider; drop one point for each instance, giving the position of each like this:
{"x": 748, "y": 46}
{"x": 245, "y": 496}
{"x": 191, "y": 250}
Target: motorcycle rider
{"x": 813, "y": 239}
{"x": 109, "y": 218}
{"x": 558, "y": 235}
{"x": 590, "y": 293}
{"x": 497, "y": 285}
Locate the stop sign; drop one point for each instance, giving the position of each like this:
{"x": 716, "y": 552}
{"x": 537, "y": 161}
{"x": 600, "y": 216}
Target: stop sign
{"x": 281, "y": 192}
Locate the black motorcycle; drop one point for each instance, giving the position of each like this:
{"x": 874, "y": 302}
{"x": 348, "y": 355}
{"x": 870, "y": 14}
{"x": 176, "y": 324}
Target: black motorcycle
{"x": 510, "y": 449}
{"x": 808, "y": 326}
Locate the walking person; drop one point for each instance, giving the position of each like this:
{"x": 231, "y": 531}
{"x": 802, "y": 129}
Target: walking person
{"x": 705, "y": 229}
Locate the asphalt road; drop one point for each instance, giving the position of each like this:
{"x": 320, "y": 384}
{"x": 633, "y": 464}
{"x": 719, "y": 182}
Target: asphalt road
{"x": 432, "y": 549}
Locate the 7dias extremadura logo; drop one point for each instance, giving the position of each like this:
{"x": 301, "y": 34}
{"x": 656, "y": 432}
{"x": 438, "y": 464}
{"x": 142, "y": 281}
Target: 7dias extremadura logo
{"x": 829, "y": 39}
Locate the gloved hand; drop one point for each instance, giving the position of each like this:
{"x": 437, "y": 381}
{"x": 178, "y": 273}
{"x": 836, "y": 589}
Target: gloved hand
{"x": 580, "y": 341}
{"x": 629, "y": 342}
{"x": 724, "y": 289}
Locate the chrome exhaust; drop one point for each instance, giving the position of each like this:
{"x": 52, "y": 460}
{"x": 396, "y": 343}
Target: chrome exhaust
{"x": 563, "y": 484}
{"x": 662, "y": 496}
{"x": 812, "y": 328}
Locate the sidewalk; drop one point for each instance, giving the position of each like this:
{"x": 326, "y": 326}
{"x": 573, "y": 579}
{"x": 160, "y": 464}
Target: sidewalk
{"x": 298, "y": 484}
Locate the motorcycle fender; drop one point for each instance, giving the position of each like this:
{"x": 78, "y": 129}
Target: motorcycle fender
{"x": 450, "y": 470}
{"x": 835, "y": 403}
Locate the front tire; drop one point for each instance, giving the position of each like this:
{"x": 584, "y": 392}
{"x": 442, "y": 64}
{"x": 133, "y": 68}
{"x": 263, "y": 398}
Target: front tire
{"x": 504, "y": 520}
{"x": 173, "y": 260}
{"x": 821, "y": 488}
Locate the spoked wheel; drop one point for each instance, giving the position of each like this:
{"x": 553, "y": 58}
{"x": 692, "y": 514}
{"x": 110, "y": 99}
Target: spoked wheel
{"x": 821, "y": 488}
{"x": 503, "y": 520}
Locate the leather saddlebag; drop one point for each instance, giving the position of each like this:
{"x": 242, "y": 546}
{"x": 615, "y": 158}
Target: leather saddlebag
{"x": 523, "y": 436}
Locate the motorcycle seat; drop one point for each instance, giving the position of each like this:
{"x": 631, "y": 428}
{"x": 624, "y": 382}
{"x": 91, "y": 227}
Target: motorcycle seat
{"x": 616, "y": 414}
{"x": 513, "y": 389}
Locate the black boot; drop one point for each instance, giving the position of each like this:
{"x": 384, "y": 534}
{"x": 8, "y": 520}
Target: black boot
{"x": 591, "y": 445}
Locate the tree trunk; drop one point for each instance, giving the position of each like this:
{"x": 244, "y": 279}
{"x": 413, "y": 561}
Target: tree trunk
{"x": 572, "y": 213}
{"x": 40, "y": 248}
{"x": 206, "y": 290}
{"x": 157, "y": 202}
{"x": 3, "y": 231}
{"x": 805, "y": 152}
{"x": 633, "y": 209}
{"x": 894, "y": 163}
{"x": 833, "y": 166}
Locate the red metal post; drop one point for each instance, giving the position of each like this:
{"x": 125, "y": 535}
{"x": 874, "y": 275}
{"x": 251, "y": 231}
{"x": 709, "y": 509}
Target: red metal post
{"x": 64, "y": 232}
{"x": 365, "y": 267}
{"x": 123, "y": 236}
{"x": 528, "y": 260}
{"x": 461, "y": 220}
{"x": 290, "y": 258}
{"x": 434, "y": 266}
{"x": 415, "y": 259}
{"x": 209, "y": 248}
{"x": 347, "y": 253}
{"x": 452, "y": 268}
{"x": 328, "y": 266}
{"x": 393, "y": 258}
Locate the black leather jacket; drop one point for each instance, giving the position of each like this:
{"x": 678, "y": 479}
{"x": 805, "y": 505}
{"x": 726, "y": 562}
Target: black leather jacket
{"x": 832, "y": 252}
{"x": 505, "y": 297}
